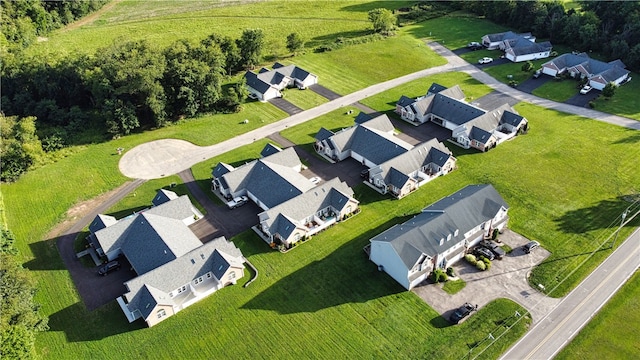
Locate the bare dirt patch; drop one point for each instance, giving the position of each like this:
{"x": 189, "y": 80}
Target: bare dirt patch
{"x": 91, "y": 17}
{"x": 78, "y": 210}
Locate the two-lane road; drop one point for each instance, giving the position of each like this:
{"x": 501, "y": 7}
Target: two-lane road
{"x": 562, "y": 324}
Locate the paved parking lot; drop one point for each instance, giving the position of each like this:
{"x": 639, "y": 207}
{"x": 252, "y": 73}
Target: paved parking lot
{"x": 507, "y": 278}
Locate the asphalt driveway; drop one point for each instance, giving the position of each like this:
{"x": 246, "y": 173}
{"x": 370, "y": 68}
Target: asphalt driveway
{"x": 583, "y": 100}
{"x": 532, "y": 83}
{"x": 507, "y": 278}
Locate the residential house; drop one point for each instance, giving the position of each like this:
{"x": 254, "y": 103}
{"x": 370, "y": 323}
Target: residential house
{"x": 162, "y": 227}
{"x": 471, "y": 126}
{"x": 174, "y": 268}
{"x": 294, "y": 208}
{"x": 395, "y": 166}
{"x": 268, "y": 181}
{"x": 268, "y": 84}
{"x": 165, "y": 290}
{"x": 517, "y": 47}
{"x": 581, "y": 65}
{"x": 439, "y": 235}
{"x": 307, "y": 214}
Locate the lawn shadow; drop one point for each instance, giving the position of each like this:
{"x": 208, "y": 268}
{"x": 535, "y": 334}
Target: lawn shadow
{"x": 633, "y": 138}
{"x": 126, "y": 212}
{"x": 79, "y": 325}
{"x": 345, "y": 276}
{"x": 365, "y": 7}
{"x": 45, "y": 256}
{"x": 602, "y": 215}
{"x": 440, "y": 321}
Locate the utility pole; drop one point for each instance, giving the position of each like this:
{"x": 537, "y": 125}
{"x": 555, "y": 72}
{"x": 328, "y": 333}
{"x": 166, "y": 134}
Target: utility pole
{"x": 624, "y": 216}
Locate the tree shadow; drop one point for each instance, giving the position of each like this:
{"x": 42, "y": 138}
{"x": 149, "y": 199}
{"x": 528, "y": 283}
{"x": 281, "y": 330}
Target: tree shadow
{"x": 602, "y": 215}
{"x": 45, "y": 256}
{"x": 633, "y": 138}
{"x": 365, "y": 7}
{"x": 80, "y": 325}
{"x": 345, "y": 276}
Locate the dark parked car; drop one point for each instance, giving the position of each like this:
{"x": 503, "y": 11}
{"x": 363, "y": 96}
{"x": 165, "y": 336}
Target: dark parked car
{"x": 364, "y": 173}
{"x": 474, "y": 46}
{"x": 530, "y": 246}
{"x": 109, "y": 267}
{"x": 494, "y": 248}
{"x": 482, "y": 252}
{"x": 462, "y": 312}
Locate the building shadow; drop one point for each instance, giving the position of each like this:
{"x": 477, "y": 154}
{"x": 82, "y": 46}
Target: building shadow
{"x": 80, "y": 325}
{"x": 345, "y": 276}
{"x": 631, "y": 139}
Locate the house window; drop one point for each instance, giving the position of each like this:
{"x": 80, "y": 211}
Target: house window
{"x": 232, "y": 275}
{"x": 208, "y": 275}
{"x": 296, "y": 237}
{"x": 161, "y": 313}
{"x": 349, "y": 209}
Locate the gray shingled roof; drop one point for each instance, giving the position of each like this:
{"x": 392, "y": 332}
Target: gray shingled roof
{"x": 362, "y": 118}
{"x": 405, "y": 100}
{"x": 371, "y": 140}
{"x": 254, "y": 82}
{"x": 522, "y": 46}
{"x": 479, "y": 135}
{"x": 291, "y": 71}
{"x": 154, "y": 286}
{"x": 153, "y": 240}
{"x": 163, "y": 196}
{"x": 613, "y": 73}
{"x": 435, "y": 88}
{"x": 462, "y": 211}
{"x": 511, "y": 118}
{"x": 100, "y": 222}
{"x": 455, "y": 111}
{"x": 274, "y": 172}
{"x": 410, "y": 161}
{"x": 324, "y": 134}
{"x": 221, "y": 169}
{"x": 269, "y": 149}
{"x": 334, "y": 193}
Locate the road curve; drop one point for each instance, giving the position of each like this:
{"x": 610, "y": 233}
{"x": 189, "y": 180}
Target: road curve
{"x": 564, "y": 322}
{"x": 165, "y": 157}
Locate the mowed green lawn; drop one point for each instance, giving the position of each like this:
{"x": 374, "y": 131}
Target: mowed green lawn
{"x": 625, "y": 101}
{"x": 618, "y": 322}
{"x": 567, "y": 183}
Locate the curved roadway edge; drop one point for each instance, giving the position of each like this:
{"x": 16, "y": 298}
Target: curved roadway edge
{"x": 564, "y": 322}
{"x": 83, "y": 277}
{"x": 161, "y": 158}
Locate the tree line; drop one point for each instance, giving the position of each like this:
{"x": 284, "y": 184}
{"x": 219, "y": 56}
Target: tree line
{"x": 24, "y": 20}
{"x": 20, "y": 317}
{"x": 122, "y": 88}
{"x": 611, "y": 28}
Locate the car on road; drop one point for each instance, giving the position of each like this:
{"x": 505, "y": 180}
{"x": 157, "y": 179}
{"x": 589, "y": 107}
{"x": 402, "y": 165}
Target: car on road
{"x": 585, "y": 89}
{"x": 485, "y": 60}
{"x": 237, "y": 202}
{"x": 109, "y": 267}
{"x": 474, "y": 45}
{"x": 484, "y": 252}
{"x": 530, "y": 246}
{"x": 315, "y": 180}
{"x": 462, "y": 312}
{"x": 494, "y": 248}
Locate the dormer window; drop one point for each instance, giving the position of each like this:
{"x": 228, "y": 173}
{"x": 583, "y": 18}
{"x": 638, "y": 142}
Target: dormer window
{"x": 441, "y": 241}
{"x": 455, "y": 233}
{"x": 448, "y": 237}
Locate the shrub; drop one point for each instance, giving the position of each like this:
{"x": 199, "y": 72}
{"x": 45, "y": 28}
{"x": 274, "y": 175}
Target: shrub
{"x": 450, "y": 271}
{"x": 439, "y": 276}
{"x": 513, "y": 83}
{"x": 481, "y": 265}
{"x": 487, "y": 263}
{"x": 471, "y": 259}
{"x": 495, "y": 233}
{"x": 554, "y": 53}
{"x": 527, "y": 67}
{"x": 592, "y": 104}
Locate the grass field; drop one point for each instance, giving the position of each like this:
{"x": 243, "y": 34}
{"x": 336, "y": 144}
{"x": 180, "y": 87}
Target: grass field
{"x": 161, "y": 23}
{"x": 453, "y": 286}
{"x": 618, "y": 322}
{"x": 559, "y": 91}
{"x": 566, "y": 181}
{"x": 556, "y": 187}
{"x": 625, "y": 101}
